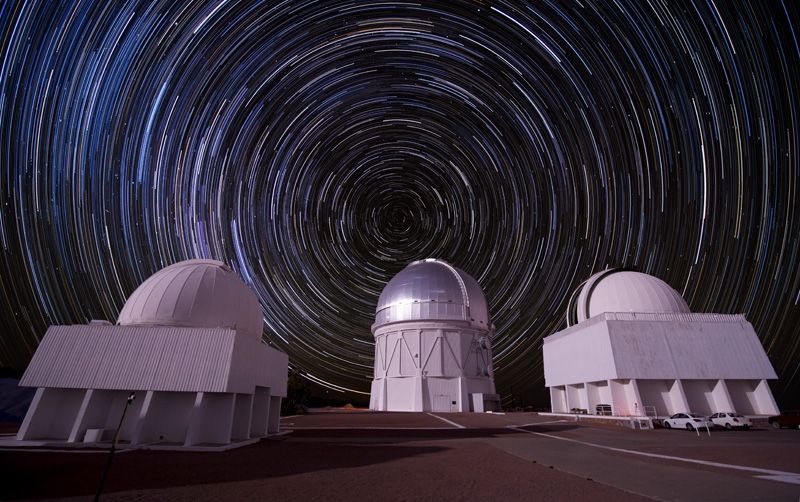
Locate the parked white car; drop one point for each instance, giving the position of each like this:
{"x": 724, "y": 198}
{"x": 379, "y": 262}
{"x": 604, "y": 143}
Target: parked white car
{"x": 730, "y": 420}
{"x": 688, "y": 421}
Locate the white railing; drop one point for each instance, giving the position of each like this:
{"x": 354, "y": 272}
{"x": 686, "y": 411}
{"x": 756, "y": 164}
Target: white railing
{"x": 669, "y": 316}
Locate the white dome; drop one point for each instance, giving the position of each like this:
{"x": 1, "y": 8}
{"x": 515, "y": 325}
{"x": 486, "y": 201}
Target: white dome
{"x": 616, "y": 290}
{"x": 432, "y": 290}
{"x": 194, "y": 293}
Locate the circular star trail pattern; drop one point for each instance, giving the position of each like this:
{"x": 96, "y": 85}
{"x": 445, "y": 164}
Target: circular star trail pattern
{"x": 318, "y": 147}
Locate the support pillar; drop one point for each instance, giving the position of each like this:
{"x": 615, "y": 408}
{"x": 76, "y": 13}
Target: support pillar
{"x": 678, "y": 397}
{"x": 141, "y": 419}
{"x": 31, "y": 416}
{"x": 419, "y": 396}
{"x": 722, "y": 398}
{"x": 638, "y": 405}
{"x": 78, "y": 426}
{"x": 764, "y": 399}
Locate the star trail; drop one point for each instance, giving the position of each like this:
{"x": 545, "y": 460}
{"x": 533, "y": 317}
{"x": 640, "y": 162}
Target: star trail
{"x": 318, "y": 147}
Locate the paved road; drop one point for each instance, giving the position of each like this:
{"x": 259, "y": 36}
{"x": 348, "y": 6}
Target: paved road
{"x": 651, "y": 477}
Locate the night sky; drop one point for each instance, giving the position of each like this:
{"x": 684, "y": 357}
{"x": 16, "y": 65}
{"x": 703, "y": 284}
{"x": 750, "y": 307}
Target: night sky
{"x": 318, "y": 147}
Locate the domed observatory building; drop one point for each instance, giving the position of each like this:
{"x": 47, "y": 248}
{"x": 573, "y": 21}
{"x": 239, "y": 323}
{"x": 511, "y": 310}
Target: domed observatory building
{"x": 433, "y": 339}
{"x": 188, "y": 342}
{"x": 632, "y": 347}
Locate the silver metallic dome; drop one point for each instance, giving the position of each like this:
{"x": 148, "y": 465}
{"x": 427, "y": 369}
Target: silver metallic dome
{"x": 617, "y": 290}
{"x": 432, "y": 290}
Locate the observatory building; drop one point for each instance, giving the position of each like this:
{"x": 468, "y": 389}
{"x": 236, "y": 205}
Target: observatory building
{"x": 187, "y": 343}
{"x": 433, "y": 339}
{"x": 632, "y": 345}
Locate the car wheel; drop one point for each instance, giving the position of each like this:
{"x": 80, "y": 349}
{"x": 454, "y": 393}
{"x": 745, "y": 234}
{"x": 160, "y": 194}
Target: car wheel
{"x": 776, "y": 424}
{"x": 667, "y": 426}
{"x": 728, "y": 426}
{"x": 689, "y": 427}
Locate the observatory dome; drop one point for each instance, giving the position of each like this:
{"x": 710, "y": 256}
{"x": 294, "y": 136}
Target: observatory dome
{"x": 617, "y": 290}
{"x": 194, "y": 293}
{"x": 432, "y": 290}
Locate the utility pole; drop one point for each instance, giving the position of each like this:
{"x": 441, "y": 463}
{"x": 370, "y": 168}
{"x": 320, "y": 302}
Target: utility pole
{"x": 128, "y": 402}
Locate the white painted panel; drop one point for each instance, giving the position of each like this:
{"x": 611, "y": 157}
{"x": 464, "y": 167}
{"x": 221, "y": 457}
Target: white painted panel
{"x": 411, "y": 338}
{"x": 131, "y": 421}
{"x": 167, "y": 417}
{"x": 408, "y": 363}
{"x": 576, "y": 397}
{"x": 255, "y": 363}
{"x": 394, "y": 350}
{"x": 242, "y": 414}
{"x": 603, "y": 392}
{"x": 582, "y": 355}
{"x": 434, "y": 366}
{"x": 620, "y": 402}
{"x": 211, "y": 419}
{"x": 258, "y": 422}
{"x": 558, "y": 399}
{"x": 451, "y": 348}
{"x": 376, "y": 397}
{"x": 52, "y": 414}
{"x": 696, "y": 350}
{"x": 131, "y": 358}
{"x": 274, "y": 414}
{"x": 441, "y": 393}
{"x": 400, "y": 394}
{"x": 103, "y": 411}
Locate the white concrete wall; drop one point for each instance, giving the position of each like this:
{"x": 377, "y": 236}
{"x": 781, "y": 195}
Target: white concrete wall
{"x": 699, "y": 395}
{"x": 155, "y": 358}
{"x": 688, "y": 350}
{"x": 676, "y": 360}
{"x": 400, "y": 394}
{"x": 274, "y": 414}
{"x": 242, "y": 414}
{"x": 576, "y": 397}
{"x": 164, "y": 417}
{"x": 752, "y": 397}
{"x": 598, "y": 393}
{"x": 260, "y": 419}
{"x": 254, "y": 363}
{"x": 742, "y": 394}
{"x": 211, "y": 419}
{"x": 423, "y": 366}
{"x": 578, "y": 355}
{"x": 441, "y": 394}
{"x": 657, "y": 393}
{"x": 558, "y": 399}
{"x": 101, "y": 409}
{"x": 133, "y": 415}
{"x": 52, "y": 414}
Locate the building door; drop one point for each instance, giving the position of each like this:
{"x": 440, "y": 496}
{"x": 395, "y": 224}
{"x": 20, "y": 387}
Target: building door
{"x": 442, "y": 402}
